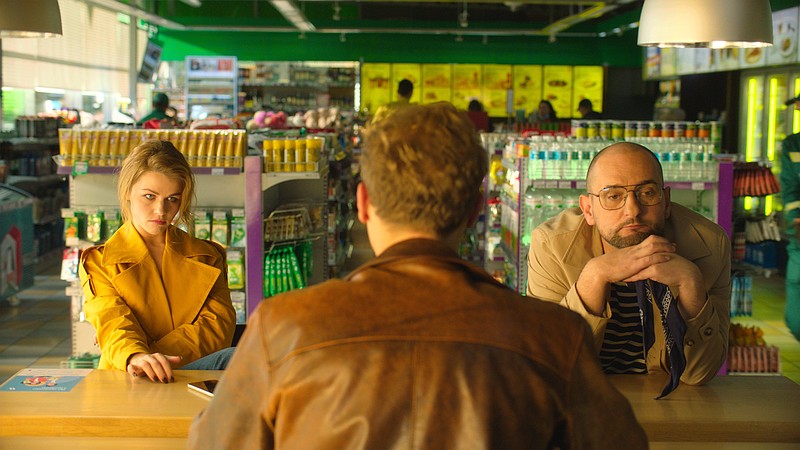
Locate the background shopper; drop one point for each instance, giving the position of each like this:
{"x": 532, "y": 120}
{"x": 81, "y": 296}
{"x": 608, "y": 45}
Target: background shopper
{"x": 416, "y": 348}
{"x": 790, "y": 192}
{"x": 405, "y": 89}
{"x": 157, "y": 297}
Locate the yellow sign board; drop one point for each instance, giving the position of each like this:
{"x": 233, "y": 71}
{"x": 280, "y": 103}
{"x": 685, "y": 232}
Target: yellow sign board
{"x": 375, "y": 87}
{"x": 467, "y": 82}
{"x": 558, "y": 89}
{"x": 437, "y": 82}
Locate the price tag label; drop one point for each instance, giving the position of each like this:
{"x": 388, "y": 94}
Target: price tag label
{"x": 551, "y": 184}
{"x": 698, "y": 186}
{"x": 217, "y": 171}
{"x": 580, "y": 184}
{"x": 565, "y": 184}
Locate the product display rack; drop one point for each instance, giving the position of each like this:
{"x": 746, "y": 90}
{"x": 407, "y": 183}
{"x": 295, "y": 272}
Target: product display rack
{"x": 216, "y": 188}
{"x": 29, "y": 166}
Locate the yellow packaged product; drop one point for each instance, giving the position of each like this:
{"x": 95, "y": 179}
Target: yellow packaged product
{"x": 230, "y": 149}
{"x": 240, "y": 148}
{"x": 103, "y": 147}
{"x": 221, "y": 141}
{"x": 65, "y": 146}
{"x": 211, "y": 148}
{"x": 266, "y": 146}
{"x": 288, "y": 155}
{"x": 180, "y": 141}
{"x": 191, "y": 148}
{"x": 314, "y": 145}
{"x": 113, "y": 147}
{"x": 277, "y": 154}
{"x": 85, "y": 144}
{"x": 202, "y": 148}
{"x": 300, "y": 155}
{"x": 76, "y": 146}
{"x": 123, "y": 145}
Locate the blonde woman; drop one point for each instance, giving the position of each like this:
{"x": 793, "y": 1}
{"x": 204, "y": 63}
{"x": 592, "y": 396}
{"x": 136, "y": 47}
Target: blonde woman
{"x": 158, "y": 297}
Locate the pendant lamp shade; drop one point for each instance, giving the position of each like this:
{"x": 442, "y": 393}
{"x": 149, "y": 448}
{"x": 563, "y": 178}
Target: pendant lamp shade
{"x": 29, "y": 18}
{"x": 705, "y": 23}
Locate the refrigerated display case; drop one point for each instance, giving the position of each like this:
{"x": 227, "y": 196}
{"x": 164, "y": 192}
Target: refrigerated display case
{"x": 765, "y": 122}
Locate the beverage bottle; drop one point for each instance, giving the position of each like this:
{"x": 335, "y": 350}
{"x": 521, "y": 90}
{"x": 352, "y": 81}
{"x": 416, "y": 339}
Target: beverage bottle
{"x": 530, "y": 209}
{"x": 552, "y": 204}
{"x": 535, "y": 161}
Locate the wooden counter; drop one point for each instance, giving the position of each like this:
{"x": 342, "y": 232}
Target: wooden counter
{"x": 107, "y": 403}
{"x": 727, "y": 409}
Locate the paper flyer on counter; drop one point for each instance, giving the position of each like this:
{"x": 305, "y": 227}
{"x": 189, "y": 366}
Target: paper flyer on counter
{"x": 45, "y": 380}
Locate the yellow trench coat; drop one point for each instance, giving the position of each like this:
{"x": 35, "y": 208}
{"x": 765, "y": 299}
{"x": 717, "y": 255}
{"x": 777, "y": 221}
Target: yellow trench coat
{"x": 188, "y": 314}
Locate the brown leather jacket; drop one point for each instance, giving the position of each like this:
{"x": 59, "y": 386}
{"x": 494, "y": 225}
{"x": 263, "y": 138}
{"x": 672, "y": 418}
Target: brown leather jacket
{"x": 416, "y": 349}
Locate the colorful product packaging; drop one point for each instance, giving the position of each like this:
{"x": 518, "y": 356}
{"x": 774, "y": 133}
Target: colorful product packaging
{"x": 65, "y": 146}
{"x": 238, "y": 228}
{"x": 219, "y": 227}
{"x": 111, "y": 222}
{"x": 236, "y": 273}
{"x": 94, "y": 226}
{"x": 202, "y": 225}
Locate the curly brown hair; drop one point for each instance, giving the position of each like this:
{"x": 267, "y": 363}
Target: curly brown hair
{"x": 424, "y": 167}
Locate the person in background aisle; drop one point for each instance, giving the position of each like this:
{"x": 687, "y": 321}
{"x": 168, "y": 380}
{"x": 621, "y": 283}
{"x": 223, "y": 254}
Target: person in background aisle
{"x": 404, "y": 90}
{"x": 790, "y": 192}
{"x": 158, "y": 298}
{"x": 478, "y": 116}
{"x": 586, "y": 109}
{"x": 544, "y": 113}
{"x": 160, "y": 106}
{"x": 628, "y": 239}
{"x": 416, "y": 348}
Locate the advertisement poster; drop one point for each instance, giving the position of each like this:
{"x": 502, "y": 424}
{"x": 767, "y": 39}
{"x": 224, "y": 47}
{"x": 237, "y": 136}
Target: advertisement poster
{"x": 44, "y": 380}
{"x": 410, "y": 72}
{"x": 467, "y": 80}
{"x": 558, "y": 89}
{"x": 208, "y": 67}
{"x": 784, "y": 35}
{"x": 436, "y": 83}
{"x": 726, "y": 58}
{"x": 496, "y": 83}
{"x": 375, "y": 88}
{"x": 752, "y": 57}
{"x": 588, "y": 84}
{"x": 527, "y": 88}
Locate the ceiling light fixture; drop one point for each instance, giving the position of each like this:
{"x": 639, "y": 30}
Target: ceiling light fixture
{"x": 290, "y": 12}
{"x": 705, "y": 23}
{"x": 29, "y": 19}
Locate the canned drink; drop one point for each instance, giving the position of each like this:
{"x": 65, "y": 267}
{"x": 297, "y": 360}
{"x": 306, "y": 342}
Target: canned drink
{"x": 680, "y": 129}
{"x": 300, "y": 155}
{"x": 604, "y": 130}
{"x": 642, "y": 129}
{"x": 668, "y": 129}
{"x": 691, "y": 129}
{"x": 617, "y": 130}
{"x": 631, "y": 130}
{"x": 277, "y": 155}
{"x": 266, "y": 146}
{"x": 582, "y": 130}
{"x": 704, "y": 130}
{"x": 288, "y": 155}
{"x": 314, "y": 146}
{"x": 594, "y": 130}
{"x": 654, "y": 129}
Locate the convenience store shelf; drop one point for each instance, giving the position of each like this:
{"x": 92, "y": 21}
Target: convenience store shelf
{"x": 110, "y": 170}
{"x": 581, "y": 184}
{"x": 271, "y": 179}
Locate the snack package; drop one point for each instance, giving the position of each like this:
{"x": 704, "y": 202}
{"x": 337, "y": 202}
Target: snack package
{"x": 69, "y": 264}
{"x": 74, "y": 224}
{"x": 238, "y": 228}
{"x": 219, "y": 227}
{"x": 235, "y": 270}
{"x": 111, "y": 222}
{"x": 94, "y": 226}
{"x": 238, "y": 298}
{"x": 202, "y": 225}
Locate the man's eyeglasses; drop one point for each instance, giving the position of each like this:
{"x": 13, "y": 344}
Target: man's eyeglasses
{"x": 614, "y": 197}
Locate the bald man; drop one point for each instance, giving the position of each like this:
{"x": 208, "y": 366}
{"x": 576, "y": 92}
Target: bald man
{"x": 627, "y": 230}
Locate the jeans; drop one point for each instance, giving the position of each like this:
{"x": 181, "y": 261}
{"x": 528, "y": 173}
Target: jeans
{"x": 215, "y": 361}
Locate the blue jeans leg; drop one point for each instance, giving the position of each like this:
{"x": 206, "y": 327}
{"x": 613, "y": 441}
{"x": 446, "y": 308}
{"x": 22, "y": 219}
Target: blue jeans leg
{"x": 215, "y": 361}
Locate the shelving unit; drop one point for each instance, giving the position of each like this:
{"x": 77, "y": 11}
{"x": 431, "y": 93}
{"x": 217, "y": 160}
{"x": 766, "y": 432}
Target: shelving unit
{"x": 217, "y": 188}
{"x": 29, "y": 166}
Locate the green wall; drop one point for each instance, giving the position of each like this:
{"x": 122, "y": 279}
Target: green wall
{"x": 620, "y": 51}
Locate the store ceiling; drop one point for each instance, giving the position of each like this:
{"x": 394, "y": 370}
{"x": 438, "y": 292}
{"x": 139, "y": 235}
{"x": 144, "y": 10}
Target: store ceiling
{"x": 553, "y": 18}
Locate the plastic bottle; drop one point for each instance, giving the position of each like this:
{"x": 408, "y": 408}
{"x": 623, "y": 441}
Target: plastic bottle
{"x": 553, "y": 204}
